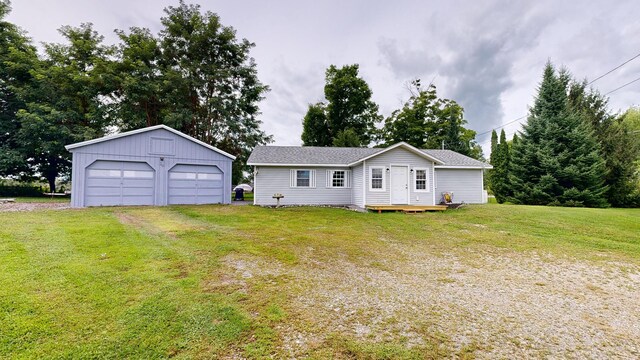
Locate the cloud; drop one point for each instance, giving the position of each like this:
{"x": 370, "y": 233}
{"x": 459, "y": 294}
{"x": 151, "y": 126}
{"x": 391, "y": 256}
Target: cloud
{"x": 478, "y": 50}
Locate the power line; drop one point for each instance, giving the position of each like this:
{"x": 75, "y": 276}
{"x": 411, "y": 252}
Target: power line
{"x": 618, "y": 88}
{"x": 614, "y": 69}
{"x": 501, "y": 126}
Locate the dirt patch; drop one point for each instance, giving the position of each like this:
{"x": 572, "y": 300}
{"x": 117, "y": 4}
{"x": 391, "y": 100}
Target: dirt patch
{"x": 11, "y": 207}
{"x": 501, "y": 303}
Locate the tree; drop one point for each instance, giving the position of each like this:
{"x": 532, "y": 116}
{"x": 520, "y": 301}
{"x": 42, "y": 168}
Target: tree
{"x": 557, "y": 160}
{"x": 348, "y": 106}
{"x": 213, "y": 88}
{"x": 499, "y": 179}
{"x": 138, "y": 97}
{"x": 618, "y": 145}
{"x": 347, "y": 138}
{"x": 426, "y": 121}
{"x": 65, "y": 102}
{"x": 17, "y": 57}
{"x": 315, "y": 126}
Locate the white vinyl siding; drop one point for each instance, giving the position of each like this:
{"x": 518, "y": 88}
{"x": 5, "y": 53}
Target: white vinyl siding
{"x": 421, "y": 180}
{"x": 465, "y": 184}
{"x": 401, "y": 157}
{"x": 270, "y": 180}
{"x": 338, "y": 179}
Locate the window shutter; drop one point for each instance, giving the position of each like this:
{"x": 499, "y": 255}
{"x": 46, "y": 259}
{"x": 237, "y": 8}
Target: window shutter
{"x": 312, "y": 180}
{"x": 292, "y": 178}
{"x": 347, "y": 180}
{"x": 328, "y": 182}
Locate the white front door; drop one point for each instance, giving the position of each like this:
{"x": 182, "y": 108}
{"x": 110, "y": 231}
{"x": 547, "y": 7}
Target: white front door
{"x": 399, "y": 185}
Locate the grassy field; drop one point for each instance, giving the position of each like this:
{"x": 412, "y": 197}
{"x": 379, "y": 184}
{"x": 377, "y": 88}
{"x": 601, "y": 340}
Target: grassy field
{"x": 155, "y": 282}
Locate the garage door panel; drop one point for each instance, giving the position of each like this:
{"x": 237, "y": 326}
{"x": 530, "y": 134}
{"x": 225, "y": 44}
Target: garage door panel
{"x": 195, "y": 184}
{"x": 103, "y": 191}
{"x": 111, "y": 183}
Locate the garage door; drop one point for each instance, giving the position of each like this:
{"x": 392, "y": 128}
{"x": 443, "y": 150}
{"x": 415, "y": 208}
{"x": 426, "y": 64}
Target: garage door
{"x": 119, "y": 183}
{"x": 195, "y": 184}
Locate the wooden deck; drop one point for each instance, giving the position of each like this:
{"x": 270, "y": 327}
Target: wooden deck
{"x": 406, "y": 208}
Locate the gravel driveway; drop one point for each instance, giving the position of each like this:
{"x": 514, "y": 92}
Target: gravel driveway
{"x": 30, "y": 206}
{"x": 500, "y": 303}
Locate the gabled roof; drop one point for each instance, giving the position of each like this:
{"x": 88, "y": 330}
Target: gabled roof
{"x": 150, "y": 128}
{"x": 347, "y": 156}
{"x": 455, "y": 159}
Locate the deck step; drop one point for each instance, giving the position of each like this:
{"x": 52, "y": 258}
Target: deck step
{"x": 406, "y": 208}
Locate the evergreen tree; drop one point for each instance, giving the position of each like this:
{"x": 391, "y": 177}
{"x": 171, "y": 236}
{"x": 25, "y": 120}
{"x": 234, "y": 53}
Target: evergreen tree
{"x": 501, "y": 168}
{"x": 492, "y": 159}
{"x": 347, "y": 138}
{"x": 557, "y": 160}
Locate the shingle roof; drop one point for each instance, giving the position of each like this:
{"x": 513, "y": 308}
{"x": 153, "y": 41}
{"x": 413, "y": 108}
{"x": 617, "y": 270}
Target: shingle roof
{"x": 452, "y": 158}
{"x": 314, "y": 155}
{"x": 308, "y": 155}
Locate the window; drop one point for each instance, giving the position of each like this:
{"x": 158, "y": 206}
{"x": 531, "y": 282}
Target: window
{"x": 303, "y": 178}
{"x": 338, "y": 178}
{"x": 182, "y": 175}
{"x": 421, "y": 180}
{"x": 139, "y": 174}
{"x": 376, "y": 174}
{"x": 207, "y": 176}
{"x": 103, "y": 173}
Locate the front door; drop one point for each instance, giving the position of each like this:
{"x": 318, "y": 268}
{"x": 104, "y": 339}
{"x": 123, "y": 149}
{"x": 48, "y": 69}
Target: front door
{"x": 399, "y": 185}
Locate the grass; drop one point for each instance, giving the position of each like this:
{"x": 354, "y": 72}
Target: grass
{"x": 149, "y": 282}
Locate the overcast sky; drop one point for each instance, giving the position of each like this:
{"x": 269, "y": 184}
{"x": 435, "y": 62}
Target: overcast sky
{"x": 486, "y": 55}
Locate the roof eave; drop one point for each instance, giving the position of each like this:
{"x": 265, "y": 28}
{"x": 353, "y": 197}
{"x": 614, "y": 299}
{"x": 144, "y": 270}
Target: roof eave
{"x": 403, "y": 144}
{"x": 478, "y": 167}
{"x": 142, "y": 130}
{"x": 290, "y": 165}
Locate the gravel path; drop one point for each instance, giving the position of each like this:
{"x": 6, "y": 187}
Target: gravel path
{"x": 9, "y": 207}
{"x": 502, "y": 304}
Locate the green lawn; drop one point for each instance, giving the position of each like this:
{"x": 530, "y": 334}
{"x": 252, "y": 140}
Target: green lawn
{"x": 44, "y": 199}
{"x": 149, "y": 282}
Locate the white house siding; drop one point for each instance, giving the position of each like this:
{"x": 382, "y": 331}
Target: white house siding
{"x": 356, "y": 190}
{"x": 399, "y": 156}
{"x": 270, "y": 180}
{"x": 163, "y": 153}
{"x": 466, "y": 185}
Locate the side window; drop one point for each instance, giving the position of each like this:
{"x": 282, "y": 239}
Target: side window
{"x": 421, "y": 180}
{"x": 302, "y": 178}
{"x": 376, "y": 182}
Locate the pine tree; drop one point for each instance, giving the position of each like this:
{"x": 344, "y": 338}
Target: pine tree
{"x": 557, "y": 160}
{"x": 492, "y": 160}
{"x": 502, "y": 188}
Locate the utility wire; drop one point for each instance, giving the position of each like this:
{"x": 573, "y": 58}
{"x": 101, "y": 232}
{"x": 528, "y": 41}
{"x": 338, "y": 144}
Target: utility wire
{"x": 589, "y": 83}
{"x": 612, "y": 70}
{"x": 618, "y": 88}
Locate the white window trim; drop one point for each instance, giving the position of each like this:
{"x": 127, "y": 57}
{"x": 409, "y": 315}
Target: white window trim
{"x": 384, "y": 179}
{"x": 415, "y": 180}
{"x": 347, "y": 179}
{"x": 293, "y": 178}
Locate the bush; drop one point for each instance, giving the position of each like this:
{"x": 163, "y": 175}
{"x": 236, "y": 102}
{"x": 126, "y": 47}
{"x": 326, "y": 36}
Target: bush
{"x": 21, "y": 190}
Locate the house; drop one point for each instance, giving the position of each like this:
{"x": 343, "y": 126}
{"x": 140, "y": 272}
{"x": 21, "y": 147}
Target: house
{"x": 398, "y": 174}
{"x": 156, "y": 165}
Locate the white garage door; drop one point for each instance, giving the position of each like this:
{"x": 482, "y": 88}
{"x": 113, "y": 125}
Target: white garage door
{"x": 119, "y": 183}
{"x": 195, "y": 184}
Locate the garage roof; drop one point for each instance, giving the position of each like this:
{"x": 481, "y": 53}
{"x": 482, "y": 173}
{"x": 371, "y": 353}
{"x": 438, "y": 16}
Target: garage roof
{"x": 150, "y": 128}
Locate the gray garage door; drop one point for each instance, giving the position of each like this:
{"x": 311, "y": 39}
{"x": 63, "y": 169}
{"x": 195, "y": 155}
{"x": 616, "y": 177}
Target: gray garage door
{"x": 119, "y": 183}
{"x": 195, "y": 184}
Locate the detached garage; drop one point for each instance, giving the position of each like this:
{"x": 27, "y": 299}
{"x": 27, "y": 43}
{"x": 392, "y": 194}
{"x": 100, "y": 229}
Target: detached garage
{"x": 152, "y": 166}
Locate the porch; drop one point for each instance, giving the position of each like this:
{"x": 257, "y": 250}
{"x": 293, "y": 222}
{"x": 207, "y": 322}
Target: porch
{"x": 410, "y": 209}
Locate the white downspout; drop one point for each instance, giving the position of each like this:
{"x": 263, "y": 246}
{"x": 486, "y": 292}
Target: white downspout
{"x": 364, "y": 183}
{"x": 255, "y": 184}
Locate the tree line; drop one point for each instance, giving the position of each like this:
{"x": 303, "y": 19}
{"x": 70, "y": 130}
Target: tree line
{"x": 195, "y": 75}
{"x": 349, "y": 118}
{"x": 572, "y": 151}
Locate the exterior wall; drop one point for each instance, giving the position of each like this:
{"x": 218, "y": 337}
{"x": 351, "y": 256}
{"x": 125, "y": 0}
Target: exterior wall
{"x": 356, "y": 186}
{"x": 159, "y": 148}
{"x": 270, "y": 180}
{"x": 466, "y": 185}
{"x": 399, "y": 156}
